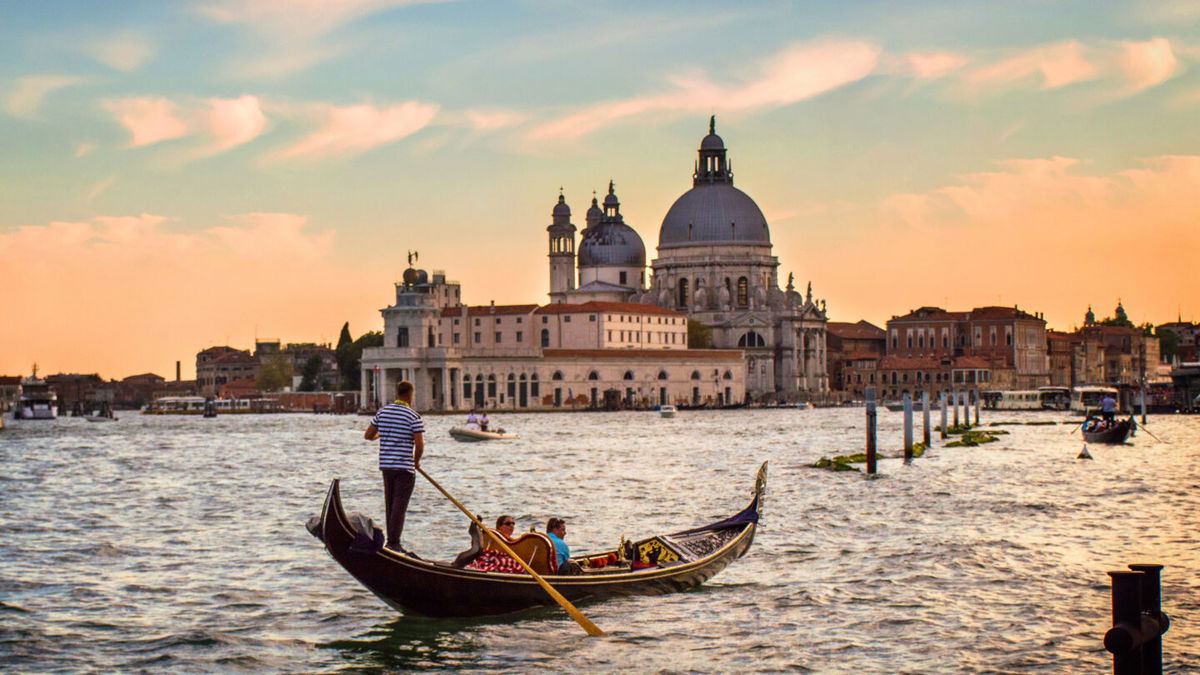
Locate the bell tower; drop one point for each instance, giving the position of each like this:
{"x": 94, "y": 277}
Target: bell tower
{"x": 562, "y": 251}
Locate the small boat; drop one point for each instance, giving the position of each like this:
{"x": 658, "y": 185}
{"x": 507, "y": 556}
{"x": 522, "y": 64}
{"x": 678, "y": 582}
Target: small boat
{"x": 650, "y": 566}
{"x": 898, "y": 406}
{"x": 1096, "y": 430}
{"x": 38, "y": 401}
{"x": 666, "y": 411}
{"x": 468, "y": 435}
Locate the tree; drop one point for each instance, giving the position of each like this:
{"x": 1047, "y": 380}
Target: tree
{"x": 1168, "y": 343}
{"x": 699, "y": 335}
{"x": 309, "y": 373}
{"x": 275, "y": 373}
{"x": 349, "y": 355}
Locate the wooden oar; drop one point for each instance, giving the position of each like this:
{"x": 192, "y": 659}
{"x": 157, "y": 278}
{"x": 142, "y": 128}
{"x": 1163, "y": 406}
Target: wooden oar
{"x": 587, "y": 624}
{"x": 1143, "y": 428}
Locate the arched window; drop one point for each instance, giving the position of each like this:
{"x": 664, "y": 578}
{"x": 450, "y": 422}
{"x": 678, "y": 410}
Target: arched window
{"x": 628, "y": 375}
{"x": 545, "y": 337}
{"x": 512, "y": 386}
{"x": 751, "y": 339}
{"x": 662, "y": 375}
{"x": 522, "y": 377}
{"x": 743, "y": 292}
{"x": 728, "y": 375}
{"x": 695, "y": 374}
{"x": 491, "y": 389}
{"x": 557, "y": 375}
{"x": 402, "y": 336}
{"x": 683, "y": 292}
{"x": 593, "y": 375}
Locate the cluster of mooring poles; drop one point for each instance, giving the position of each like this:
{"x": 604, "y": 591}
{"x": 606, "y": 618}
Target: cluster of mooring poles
{"x": 956, "y": 399}
{"x": 1135, "y": 639}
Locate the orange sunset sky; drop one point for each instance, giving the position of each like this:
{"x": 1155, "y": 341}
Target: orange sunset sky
{"x": 182, "y": 175}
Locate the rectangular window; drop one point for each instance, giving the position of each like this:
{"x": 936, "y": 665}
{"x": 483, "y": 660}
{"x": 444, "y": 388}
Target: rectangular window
{"x": 567, "y": 318}
{"x": 519, "y": 319}
{"x": 455, "y": 338}
{"x": 498, "y": 334}
{"x": 610, "y": 336}
{"x": 591, "y": 317}
{"x": 497, "y": 321}
{"x": 456, "y": 322}
{"x": 476, "y": 322}
{"x": 519, "y": 336}
{"x": 477, "y": 338}
{"x": 545, "y": 319}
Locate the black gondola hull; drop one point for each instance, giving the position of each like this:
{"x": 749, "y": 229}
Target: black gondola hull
{"x": 413, "y": 585}
{"x": 1113, "y": 436}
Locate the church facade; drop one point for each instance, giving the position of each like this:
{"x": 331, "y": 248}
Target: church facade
{"x": 611, "y": 336}
{"x": 715, "y": 265}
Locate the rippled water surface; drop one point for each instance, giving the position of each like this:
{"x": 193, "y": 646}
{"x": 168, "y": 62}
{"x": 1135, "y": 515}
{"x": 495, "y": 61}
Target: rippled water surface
{"x": 156, "y": 543}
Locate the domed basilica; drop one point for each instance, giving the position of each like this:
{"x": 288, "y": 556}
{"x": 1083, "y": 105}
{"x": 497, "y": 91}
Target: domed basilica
{"x": 714, "y": 264}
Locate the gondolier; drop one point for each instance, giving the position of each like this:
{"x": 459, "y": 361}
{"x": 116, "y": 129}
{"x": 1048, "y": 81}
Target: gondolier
{"x": 401, "y": 434}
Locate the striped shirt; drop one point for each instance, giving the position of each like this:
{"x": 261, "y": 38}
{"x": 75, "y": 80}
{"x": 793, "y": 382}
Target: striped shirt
{"x": 397, "y": 423}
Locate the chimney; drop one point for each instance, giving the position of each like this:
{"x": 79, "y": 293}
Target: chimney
{"x": 176, "y": 371}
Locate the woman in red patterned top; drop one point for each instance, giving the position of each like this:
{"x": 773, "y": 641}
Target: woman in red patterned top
{"x": 494, "y": 560}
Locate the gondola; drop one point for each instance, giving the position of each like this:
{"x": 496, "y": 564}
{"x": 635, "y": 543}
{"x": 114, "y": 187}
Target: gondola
{"x": 1113, "y": 435}
{"x": 649, "y": 566}
{"x": 465, "y": 435}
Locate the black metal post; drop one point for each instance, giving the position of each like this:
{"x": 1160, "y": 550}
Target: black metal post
{"x": 1152, "y": 606}
{"x": 908, "y": 427}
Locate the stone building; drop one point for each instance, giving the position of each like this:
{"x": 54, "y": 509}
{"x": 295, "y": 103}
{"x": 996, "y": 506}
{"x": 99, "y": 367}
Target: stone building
{"x": 854, "y": 353}
{"x": 590, "y": 354}
{"x": 220, "y": 365}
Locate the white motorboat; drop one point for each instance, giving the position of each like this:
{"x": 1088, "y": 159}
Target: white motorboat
{"x": 38, "y": 400}
{"x": 666, "y": 411}
{"x": 469, "y": 435}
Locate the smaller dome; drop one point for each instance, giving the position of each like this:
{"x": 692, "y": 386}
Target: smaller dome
{"x": 712, "y": 142}
{"x": 422, "y": 277}
{"x": 410, "y": 277}
{"x": 594, "y": 211}
{"x": 561, "y": 208}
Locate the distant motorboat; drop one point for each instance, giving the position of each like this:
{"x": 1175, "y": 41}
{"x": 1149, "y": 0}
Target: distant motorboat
{"x": 468, "y": 435}
{"x": 667, "y": 411}
{"x": 38, "y": 400}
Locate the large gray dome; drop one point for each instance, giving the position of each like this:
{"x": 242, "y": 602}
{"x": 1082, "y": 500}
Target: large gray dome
{"x": 713, "y": 213}
{"x": 612, "y": 244}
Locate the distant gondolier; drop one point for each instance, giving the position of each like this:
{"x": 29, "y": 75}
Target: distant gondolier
{"x": 1108, "y": 407}
{"x": 400, "y": 431}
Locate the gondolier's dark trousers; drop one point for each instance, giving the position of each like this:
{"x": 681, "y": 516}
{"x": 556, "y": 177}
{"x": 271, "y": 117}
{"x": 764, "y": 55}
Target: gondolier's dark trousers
{"x": 397, "y": 489}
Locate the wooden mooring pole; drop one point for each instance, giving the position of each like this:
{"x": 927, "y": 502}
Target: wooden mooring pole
{"x": 926, "y": 437}
{"x": 870, "y": 430}
{"x": 908, "y": 427}
{"x": 945, "y": 413}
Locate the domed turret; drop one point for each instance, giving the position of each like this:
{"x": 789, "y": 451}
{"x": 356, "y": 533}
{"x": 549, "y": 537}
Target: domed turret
{"x": 561, "y": 210}
{"x": 610, "y": 242}
{"x": 713, "y": 211}
{"x": 410, "y": 276}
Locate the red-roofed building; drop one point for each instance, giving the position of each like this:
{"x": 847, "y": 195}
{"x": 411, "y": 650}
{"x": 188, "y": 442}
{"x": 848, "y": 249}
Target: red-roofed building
{"x": 987, "y": 347}
{"x": 598, "y": 353}
{"x": 216, "y": 366}
{"x": 854, "y": 350}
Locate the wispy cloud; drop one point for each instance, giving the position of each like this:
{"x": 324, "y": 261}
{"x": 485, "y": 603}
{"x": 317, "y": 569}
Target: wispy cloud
{"x": 224, "y": 123}
{"x": 1146, "y": 64}
{"x": 794, "y": 74}
{"x": 355, "y": 129}
{"x": 27, "y": 93}
{"x": 149, "y": 120}
{"x": 290, "y": 34}
{"x": 99, "y": 188}
{"x": 1049, "y": 67}
{"x": 123, "y": 52}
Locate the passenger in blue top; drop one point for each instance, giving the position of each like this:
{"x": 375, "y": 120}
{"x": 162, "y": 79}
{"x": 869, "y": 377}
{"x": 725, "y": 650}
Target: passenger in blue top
{"x": 556, "y": 529}
{"x": 401, "y": 434}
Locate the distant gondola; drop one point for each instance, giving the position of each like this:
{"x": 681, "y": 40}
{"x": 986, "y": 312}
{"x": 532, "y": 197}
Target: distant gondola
{"x": 660, "y": 564}
{"x": 1114, "y": 434}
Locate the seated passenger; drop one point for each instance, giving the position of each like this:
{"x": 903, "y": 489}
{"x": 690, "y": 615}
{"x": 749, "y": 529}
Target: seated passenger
{"x": 483, "y": 422}
{"x": 472, "y": 420}
{"x": 556, "y": 529}
{"x": 492, "y": 559}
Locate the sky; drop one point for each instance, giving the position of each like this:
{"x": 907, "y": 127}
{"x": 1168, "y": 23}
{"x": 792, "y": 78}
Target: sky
{"x": 178, "y": 175}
